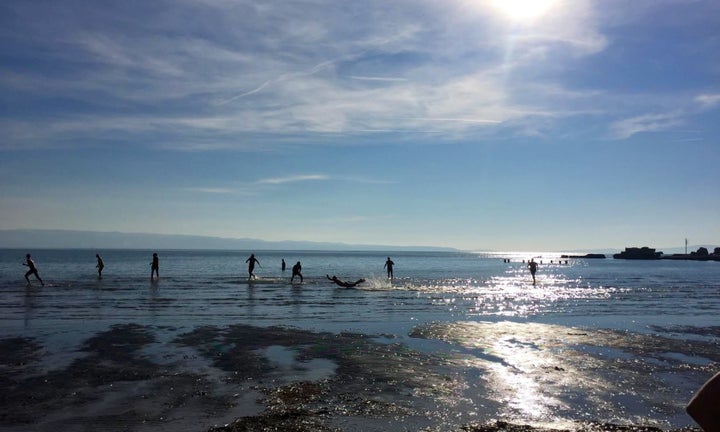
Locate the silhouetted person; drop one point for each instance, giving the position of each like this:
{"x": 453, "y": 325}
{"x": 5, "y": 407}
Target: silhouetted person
{"x": 251, "y": 266}
{"x": 343, "y": 283}
{"x": 32, "y": 270}
{"x": 297, "y": 269}
{"x": 283, "y": 264}
{"x": 101, "y": 265}
{"x": 532, "y": 265}
{"x": 703, "y": 407}
{"x": 389, "y": 266}
{"x": 155, "y": 267}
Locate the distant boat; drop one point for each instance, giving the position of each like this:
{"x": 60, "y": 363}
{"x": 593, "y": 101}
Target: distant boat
{"x": 643, "y": 253}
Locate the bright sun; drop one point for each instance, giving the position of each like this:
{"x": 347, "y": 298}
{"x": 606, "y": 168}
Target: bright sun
{"x": 523, "y": 10}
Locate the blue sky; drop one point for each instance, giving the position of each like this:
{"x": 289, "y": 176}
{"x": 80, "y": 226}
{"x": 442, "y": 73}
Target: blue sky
{"x": 513, "y": 125}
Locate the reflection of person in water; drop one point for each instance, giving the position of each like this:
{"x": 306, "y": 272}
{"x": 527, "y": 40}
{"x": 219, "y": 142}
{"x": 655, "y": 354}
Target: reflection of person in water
{"x": 343, "y": 283}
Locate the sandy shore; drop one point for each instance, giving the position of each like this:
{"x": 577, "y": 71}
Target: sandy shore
{"x": 244, "y": 378}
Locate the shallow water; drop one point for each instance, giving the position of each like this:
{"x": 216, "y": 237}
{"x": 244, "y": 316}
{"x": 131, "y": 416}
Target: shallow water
{"x": 484, "y": 313}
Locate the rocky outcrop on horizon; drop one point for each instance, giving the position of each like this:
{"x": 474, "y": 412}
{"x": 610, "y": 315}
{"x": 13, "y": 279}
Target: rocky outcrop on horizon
{"x": 702, "y": 254}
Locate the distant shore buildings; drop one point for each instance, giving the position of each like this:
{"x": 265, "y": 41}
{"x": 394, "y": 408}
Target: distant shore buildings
{"x": 635, "y": 253}
{"x": 646, "y": 253}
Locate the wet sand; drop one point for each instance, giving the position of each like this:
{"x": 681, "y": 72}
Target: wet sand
{"x": 244, "y": 378}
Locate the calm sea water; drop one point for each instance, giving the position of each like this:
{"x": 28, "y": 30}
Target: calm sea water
{"x": 212, "y": 286}
{"x": 474, "y": 306}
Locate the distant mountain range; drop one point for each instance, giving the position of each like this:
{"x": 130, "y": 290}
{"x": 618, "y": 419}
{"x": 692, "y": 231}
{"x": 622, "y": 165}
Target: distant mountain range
{"x": 69, "y": 239}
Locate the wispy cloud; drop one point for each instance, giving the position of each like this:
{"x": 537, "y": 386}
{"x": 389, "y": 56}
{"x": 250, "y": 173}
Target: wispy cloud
{"x": 645, "y": 123}
{"x": 708, "y": 100}
{"x": 377, "y": 78}
{"x": 294, "y": 179}
{"x": 211, "y": 190}
{"x": 396, "y": 71}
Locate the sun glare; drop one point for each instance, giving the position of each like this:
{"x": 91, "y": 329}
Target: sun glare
{"x": 523, "y": 10}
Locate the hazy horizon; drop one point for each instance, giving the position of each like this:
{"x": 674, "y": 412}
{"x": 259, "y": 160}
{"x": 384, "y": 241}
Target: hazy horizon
{"x": 71, "y": 239}
{"x": 501, "y": 125}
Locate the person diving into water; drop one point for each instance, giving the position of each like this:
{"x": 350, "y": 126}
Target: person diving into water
{"x": 344, "y": 284}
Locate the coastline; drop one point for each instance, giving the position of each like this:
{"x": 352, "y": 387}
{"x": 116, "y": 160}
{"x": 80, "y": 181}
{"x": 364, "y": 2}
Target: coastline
{"x": 241, "y": 377}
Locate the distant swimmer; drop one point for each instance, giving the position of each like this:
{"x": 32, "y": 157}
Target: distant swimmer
{"x": 251, "y": 266}
{"x": 155, "y": 267}
{"x": 283, "y": 264}
{"x": 32, "y": 270}
{"x": 296, "y": 271}
{"x": 343, "y": 283}
{"x": 101, "y": 265}
{"x": 389, "y": 266}
{"x": 532, "y": 265}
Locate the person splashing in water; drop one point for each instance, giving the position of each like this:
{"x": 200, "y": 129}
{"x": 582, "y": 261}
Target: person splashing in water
{"x": 297, "y": 271}
{"x": 344, "y": 284}
{"x": 251, "y": 266}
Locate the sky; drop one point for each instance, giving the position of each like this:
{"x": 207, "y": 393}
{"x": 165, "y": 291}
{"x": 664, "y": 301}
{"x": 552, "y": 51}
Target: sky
{"x": 522, "y": 125}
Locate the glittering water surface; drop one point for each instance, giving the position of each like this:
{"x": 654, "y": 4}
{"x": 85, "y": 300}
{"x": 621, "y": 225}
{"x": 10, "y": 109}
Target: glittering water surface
{"x": 580, "y": 344}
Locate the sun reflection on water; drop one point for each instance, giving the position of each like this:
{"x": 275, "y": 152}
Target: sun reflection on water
{"x": 551, "y": 373}
{"x": 511, "y": 293}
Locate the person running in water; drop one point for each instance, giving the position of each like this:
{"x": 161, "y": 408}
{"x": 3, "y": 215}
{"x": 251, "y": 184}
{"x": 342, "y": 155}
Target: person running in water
{"x": 251, "y": 266}
{"x": 32, "y": 270}
{"x": 343, "y": 283}
{"x": 389, "y": 266}
{"x": 101, "y": 265}
{"x": 532, "y": 265}
{"x": 155, "y": 267}
{"x": 296, "y": 271}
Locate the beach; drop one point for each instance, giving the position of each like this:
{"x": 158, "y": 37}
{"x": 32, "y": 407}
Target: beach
{"x": 457, "y": 342}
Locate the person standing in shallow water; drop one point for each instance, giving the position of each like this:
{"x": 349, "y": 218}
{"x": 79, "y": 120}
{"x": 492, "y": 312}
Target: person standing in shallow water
{"x": 32, "y": 270}
{"x": 101, "y": 265}
{"x": 389, "y": 266}
{"x": 532, "y": 265}
{"x": 283, "y": 264}
{"x": 155, "y": 267}
{"x": 251, "y": 266}
{"x": 296, "y": 271}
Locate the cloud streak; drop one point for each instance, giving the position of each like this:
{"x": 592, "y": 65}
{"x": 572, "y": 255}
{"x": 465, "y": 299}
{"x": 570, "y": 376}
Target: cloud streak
{"x": 294, "y": 179}
{"x": 449, "y": 72}
{"x": 708, "y": 101}
{"x": 626, "y": 128}
{"x": 398, "y": 71}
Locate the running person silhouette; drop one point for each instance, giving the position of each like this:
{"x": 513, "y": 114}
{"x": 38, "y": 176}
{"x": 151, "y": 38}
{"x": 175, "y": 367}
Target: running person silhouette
{"x": 32, "y": 270}
{"x": 251, "y": 266}
{"x": 101, "y": 265}
{"x": 155, "y": 267}
{"x": 389, "y": 266}
{"x": 296, "y": 271}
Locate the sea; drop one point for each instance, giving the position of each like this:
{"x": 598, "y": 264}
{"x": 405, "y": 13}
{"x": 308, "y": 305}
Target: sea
{"x": 654, "y": 325}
